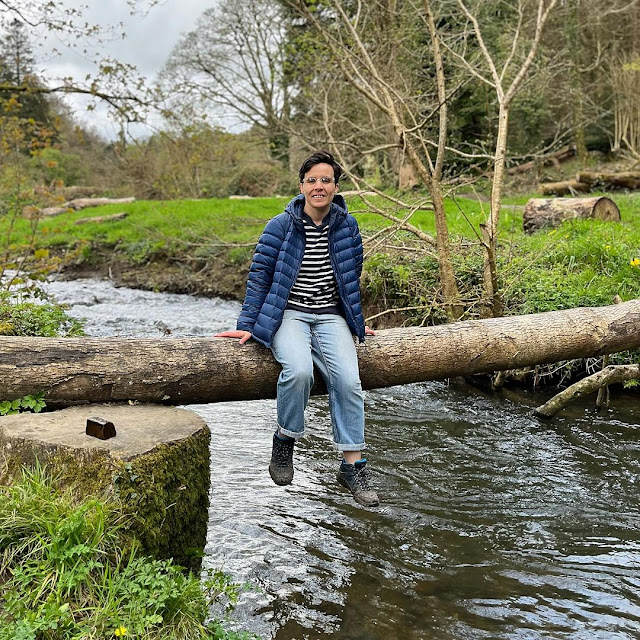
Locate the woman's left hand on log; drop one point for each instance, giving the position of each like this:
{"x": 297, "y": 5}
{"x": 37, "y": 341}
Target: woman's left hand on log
{"x": 243, "y": 335}
{"x": 369, "y": 332}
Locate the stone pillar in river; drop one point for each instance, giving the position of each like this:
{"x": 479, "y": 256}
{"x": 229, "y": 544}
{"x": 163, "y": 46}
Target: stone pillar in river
{"x": 157, "y": 465}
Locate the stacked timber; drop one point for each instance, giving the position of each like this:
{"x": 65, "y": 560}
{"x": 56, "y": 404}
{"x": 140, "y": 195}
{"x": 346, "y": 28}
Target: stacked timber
{"x": 610, "y": 180}
{"x": 551, "y": 212}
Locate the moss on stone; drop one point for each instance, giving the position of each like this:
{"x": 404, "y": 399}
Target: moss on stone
{"x": 164, "y": 491}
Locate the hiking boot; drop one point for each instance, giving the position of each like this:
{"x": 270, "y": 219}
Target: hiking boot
{"x": 281, "y": 465}
{"x": 355, "y": 477}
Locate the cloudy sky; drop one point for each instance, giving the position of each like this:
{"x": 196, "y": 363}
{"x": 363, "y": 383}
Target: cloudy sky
{"x": 150, "y": 37}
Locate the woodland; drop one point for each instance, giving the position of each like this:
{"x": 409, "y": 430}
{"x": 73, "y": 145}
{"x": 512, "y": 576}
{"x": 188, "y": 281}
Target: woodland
{"x": 428, "y": 105}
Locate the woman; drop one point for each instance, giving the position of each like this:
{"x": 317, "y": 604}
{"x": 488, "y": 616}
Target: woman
{"x": 303, "y": 302}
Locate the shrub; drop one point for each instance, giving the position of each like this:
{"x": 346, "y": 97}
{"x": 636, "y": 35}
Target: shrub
{"x": 26, "y": 318}
{"x": 65, "y": 574}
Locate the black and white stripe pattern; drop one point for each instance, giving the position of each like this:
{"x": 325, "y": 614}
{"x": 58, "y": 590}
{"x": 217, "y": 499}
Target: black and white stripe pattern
{"x": 315, "y": 287}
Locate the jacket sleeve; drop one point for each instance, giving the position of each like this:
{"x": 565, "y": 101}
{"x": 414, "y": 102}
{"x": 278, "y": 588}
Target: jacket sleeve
{"x": 261, "y": 274}
{"x": 357, "y": 247}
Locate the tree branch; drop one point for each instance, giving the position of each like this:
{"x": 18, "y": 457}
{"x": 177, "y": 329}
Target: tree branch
{"x": 608, "y": 375}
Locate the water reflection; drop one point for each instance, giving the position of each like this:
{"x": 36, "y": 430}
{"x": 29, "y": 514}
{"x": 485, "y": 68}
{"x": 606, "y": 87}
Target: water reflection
{"x": 493, "y": 525}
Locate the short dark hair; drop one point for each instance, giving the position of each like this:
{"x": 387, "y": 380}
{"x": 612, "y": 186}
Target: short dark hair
{"x": 321, "y": 157}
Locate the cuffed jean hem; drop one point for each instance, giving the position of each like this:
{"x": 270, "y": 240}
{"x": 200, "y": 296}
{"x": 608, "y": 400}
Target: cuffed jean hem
{"x": 291, "y": 434}
{"x": 349, "y": 447}
{"x": 324, "y": 340}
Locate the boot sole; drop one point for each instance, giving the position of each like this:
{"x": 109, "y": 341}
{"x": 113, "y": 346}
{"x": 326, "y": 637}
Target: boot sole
{"x": 279, "y": 480}
{"x": 358, "y": 499}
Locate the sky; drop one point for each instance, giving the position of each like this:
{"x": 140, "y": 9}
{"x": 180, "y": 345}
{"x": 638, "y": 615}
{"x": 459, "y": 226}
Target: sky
{"x": 150, "y": 38}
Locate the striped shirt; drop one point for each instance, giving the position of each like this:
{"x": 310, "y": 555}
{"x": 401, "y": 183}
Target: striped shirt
{"x": 315, "y": 287}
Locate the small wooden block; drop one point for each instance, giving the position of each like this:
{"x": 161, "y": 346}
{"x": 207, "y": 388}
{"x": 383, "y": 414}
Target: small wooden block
{"x": 100, "y": 428}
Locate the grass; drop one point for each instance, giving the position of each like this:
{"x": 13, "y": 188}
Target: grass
{"x": 159, "y": 227}
{"x": 65, "y": 573}
{"x": 580, "y": 263}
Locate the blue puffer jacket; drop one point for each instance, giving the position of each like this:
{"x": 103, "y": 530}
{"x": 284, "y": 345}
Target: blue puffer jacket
{"x": 277, "y": 260}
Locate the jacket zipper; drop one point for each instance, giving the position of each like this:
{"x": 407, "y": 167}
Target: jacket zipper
{"x": 304, "y": 246}
{"x": 340, "y": 283}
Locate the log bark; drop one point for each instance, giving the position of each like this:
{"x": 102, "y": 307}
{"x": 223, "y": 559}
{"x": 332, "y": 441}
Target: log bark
{"x": 110, "y": 218}
{"x": 553, "y": 158}
{"x": 551, "y": 212}
{"x": 566, "y": 187}
{"x": 609, "y": 375}
{"x": 197, "y": 370}
{"x": 620, "y": 179}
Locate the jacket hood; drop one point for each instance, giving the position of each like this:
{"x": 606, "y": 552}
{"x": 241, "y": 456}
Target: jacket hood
{"x": 338, "y": 208}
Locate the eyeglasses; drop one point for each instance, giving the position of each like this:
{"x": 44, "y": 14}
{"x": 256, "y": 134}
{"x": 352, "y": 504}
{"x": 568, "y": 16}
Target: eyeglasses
{"x": 324, "y": 180}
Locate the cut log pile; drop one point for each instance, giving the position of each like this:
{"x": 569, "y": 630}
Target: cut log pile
{"x": 550, "y": 212}
{"x": 586, "y": 181}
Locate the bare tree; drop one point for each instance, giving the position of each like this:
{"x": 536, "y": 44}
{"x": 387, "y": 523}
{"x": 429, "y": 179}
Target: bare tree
{"x": 114, "y": 83}
{"x": 233, "y": 63}
{"x": 347, "y": 33}
{"x": 505, "y": 75}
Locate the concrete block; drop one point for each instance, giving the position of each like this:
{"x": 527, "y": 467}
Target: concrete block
{"x": 157, "y": 466}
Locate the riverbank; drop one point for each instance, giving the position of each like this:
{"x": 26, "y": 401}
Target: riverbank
{"x": 72, "y": 569}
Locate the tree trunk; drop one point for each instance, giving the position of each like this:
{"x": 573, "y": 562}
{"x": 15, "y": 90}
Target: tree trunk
{"x": 196, "y": 370}
{"x": 622, "y": 179}
{"x": 450, "y": 293}
{"x": 541, "y": 212}
{"x": 492, "y": 302}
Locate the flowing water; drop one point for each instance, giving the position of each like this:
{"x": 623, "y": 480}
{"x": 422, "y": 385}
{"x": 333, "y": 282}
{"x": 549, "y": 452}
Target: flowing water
{"x": 493, "y": 524}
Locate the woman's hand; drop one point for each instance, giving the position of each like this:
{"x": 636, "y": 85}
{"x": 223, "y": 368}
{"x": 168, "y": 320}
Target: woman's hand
{"x": 243, "y": 335}
{"x": 369, "y": 332}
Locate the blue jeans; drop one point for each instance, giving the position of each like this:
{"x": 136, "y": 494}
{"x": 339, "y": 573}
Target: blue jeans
{"x": 305, "y": 339}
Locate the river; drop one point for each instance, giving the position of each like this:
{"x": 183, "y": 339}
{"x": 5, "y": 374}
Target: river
{"x": 492, "y": 525}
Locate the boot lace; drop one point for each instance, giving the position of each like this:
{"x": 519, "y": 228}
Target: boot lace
{"x": 361, "y": 479}
{"x": 282, "y": 452}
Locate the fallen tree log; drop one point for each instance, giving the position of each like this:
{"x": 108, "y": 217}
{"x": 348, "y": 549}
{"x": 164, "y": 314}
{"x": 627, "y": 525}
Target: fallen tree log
{"x": 99, "y": 219}
{"x": 554, "y": 158}
{"x": 620, "y": 179}
{"x": 82, "y": 203}
{"x": 551, "y": 212}
{"x": 564, "y": 188}
{"x": 609, "y": 375}
{"x": 196, "y": 370}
